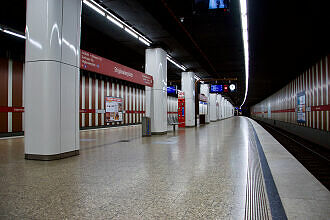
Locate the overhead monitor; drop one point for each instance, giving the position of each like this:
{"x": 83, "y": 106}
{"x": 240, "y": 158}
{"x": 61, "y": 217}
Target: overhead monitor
{"x": 218, "y": 4}
{"x": 216, "y": 88}
{"x": 171, "y": 89}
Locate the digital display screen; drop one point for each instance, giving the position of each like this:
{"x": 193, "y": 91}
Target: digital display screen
{"x": 171, "y": 89}
{"x": 216, "y": 4}
{"x": 216, "y": 88}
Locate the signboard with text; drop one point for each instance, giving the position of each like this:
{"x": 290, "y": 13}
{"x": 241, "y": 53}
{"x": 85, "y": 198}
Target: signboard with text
{"x": 94, "y": 63}
{"x": 301, "y": 107}
{"x": 113, "y": 109}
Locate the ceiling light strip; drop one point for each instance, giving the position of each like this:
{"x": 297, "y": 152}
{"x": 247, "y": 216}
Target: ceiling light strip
{"x": 114, "y": 19}
{"x": 121, "y": 24}
{"x": 182, "y": 67}
{"x": 243, "y": 6}
{"x": 12, "y": 33}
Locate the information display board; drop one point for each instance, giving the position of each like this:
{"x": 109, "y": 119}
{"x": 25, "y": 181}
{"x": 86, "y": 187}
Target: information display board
{"x": 301, "y": 107}
{"x": 216, "y": 88}
{"x": 113, "y": 109}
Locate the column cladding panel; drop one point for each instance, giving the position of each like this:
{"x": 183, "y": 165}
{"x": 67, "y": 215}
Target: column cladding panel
{"x": 188, "y": 87}
{"x": 205, "y": 89}
{"x": 52, "y": 28}
{"x": 213, "y": 100}
{"x": 156, "y": 97}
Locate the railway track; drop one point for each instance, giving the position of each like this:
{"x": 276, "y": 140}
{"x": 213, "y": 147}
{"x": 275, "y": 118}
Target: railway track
{"x": 315, "y": 158}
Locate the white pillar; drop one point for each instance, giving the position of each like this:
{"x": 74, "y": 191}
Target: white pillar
{"x": 205, "y": 89}
{"x": 188, "y": 87}
{"x": 52, "y": 79}
{"x": 156, "y": 97}
{"x": 213, "y": 107}
{"x": 223, "y": 108}
{"x": 219, "y": 97}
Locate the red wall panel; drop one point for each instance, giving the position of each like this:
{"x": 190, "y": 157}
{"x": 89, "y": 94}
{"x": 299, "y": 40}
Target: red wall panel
{"x": 3, "y": 94}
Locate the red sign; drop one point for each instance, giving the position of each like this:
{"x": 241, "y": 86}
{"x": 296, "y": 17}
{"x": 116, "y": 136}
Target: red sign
{"x": 225, "y": 88}
{"x": 94, "y": 63}
{"x": 181, "y": 112}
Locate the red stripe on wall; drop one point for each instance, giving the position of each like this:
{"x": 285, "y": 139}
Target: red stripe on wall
{"x": 3, "y": 94}
{"x": 99, "y": 104}
{"x": 80, "y": 100}
{"x": 86, "y": 99}
{"x": 17, "y": 95}
{"x": 93, "y": 100}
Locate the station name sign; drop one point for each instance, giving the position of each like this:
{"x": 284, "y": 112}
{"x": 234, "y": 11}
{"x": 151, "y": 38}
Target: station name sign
{"x": 94, "y": 63}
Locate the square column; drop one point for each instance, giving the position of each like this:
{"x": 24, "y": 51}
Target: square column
{"x": 156, "y": 96}
{"x": 213, "y": 107}
{"x": 219, "y": 97}
{"x": 205, "y": 89}
{"x": 51, "y": 83}
{"x": 188, "y": 87}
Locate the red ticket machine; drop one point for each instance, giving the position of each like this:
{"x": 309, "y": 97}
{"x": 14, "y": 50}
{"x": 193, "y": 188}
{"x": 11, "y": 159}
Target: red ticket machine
{"x": 181, "y": 109}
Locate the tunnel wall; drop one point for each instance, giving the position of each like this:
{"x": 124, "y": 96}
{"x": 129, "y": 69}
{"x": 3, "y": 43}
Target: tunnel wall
{"x": 281, "y": 108}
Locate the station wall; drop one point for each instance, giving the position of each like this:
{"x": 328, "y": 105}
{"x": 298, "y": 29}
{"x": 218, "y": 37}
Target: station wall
{"x": 282, "y": 106}
{"x": 11, "y": 96}
{"x": 172, "y": 105}
{"x": 93, "y": 89}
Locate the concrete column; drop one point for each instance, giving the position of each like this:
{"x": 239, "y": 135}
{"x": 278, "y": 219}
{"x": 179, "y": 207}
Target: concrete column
{"x": 213, "y": 107}
{"x": 52, "y": 79}
{"x": 188, "y": 87}
{"x": 156, "y": 97}
{"x": 223, "y": 113}
{"x": 219, "y": 97}
{"x": 205, "y": 89}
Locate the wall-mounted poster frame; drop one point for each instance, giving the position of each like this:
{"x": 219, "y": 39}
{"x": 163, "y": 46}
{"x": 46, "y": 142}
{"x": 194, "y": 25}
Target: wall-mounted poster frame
{"x": 301, "y": 107}
{"x": 113, "y": 109}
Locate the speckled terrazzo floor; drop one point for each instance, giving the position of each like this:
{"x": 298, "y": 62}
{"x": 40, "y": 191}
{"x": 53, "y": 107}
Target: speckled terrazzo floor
{"x": 195, "y": 173}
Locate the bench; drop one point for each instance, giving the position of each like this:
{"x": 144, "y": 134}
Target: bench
{"x": 172, "y": 120}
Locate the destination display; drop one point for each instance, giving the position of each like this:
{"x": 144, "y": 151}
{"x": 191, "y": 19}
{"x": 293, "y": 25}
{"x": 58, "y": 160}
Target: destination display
{"x": 216, "y": 88}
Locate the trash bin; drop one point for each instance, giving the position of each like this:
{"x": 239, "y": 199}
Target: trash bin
{"x": 202, "y": 119}
{"x": 146, "y": 127}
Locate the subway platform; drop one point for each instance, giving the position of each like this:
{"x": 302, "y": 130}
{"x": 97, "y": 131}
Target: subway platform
{"x": 229, "y": 169}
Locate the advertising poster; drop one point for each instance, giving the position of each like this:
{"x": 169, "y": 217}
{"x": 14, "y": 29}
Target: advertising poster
{"x": 113, "y": 109}
{"x": 301, "y": 107}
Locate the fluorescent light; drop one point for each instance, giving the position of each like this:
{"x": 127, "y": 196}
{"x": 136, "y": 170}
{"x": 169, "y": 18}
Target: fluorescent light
{"x": 128, "y": 30}
{"x": 196, "y": 77}
{"x": 116, "y": 22}
{"x": 245, "y": 36}
{"x": 182, "y": 67}
{"x": 13, "y": 33}
{"x": 144, "y": 41}
{"x": 95, "y": 8}
{"x": 114, "y": 19}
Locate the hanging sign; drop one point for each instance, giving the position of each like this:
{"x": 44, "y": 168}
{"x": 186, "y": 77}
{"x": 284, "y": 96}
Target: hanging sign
{"x": 94, "y": 63}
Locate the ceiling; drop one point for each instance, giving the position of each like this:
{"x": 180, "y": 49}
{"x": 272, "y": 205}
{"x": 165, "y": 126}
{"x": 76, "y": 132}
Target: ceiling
{"x": 284, "y": 38}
